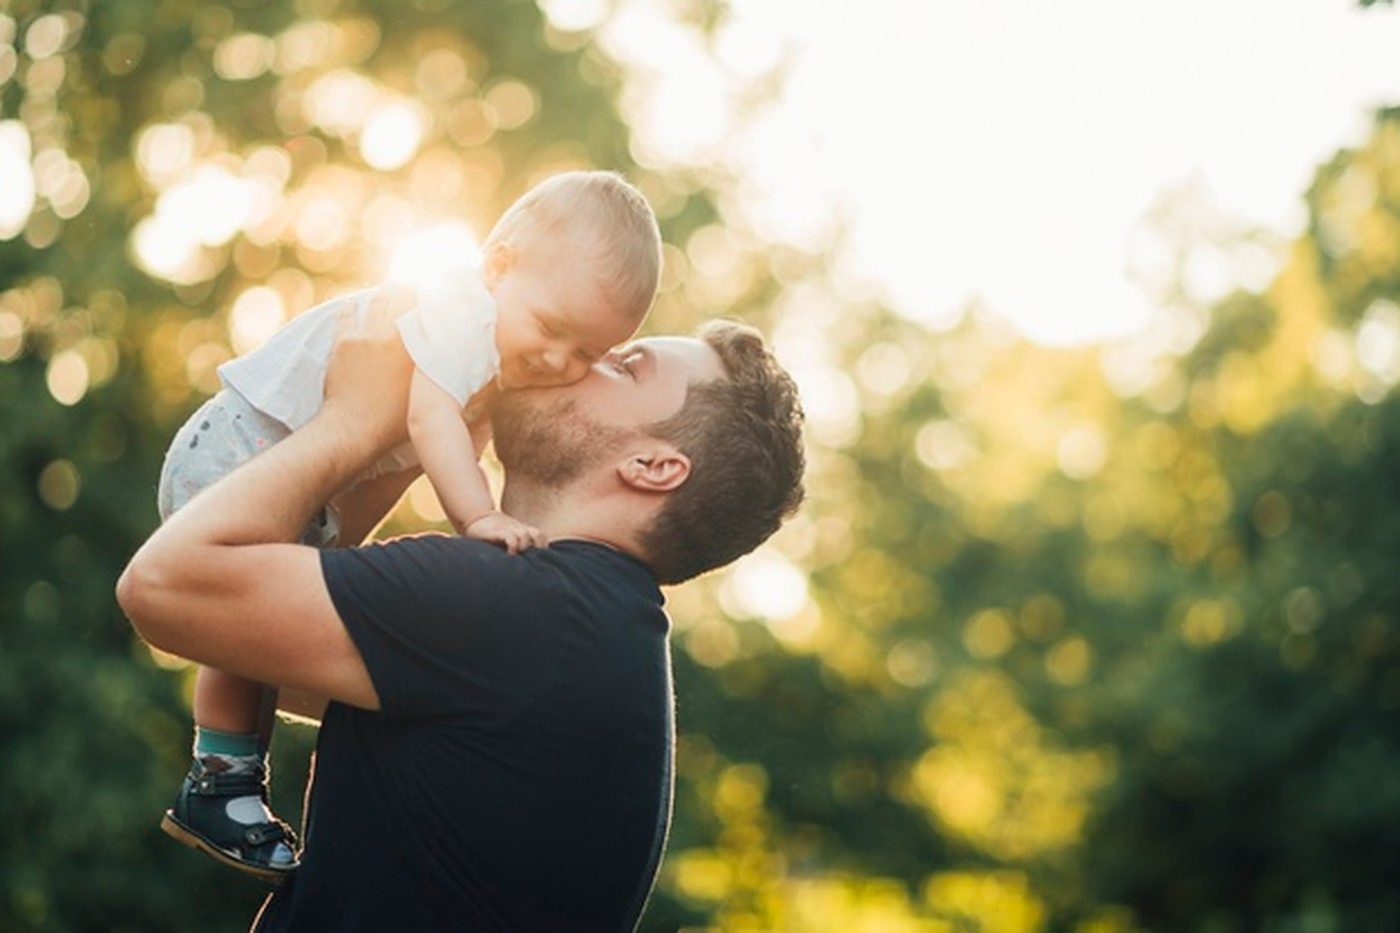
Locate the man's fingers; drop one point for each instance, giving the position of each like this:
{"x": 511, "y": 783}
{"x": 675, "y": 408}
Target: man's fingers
{"x": 388, "y": 303}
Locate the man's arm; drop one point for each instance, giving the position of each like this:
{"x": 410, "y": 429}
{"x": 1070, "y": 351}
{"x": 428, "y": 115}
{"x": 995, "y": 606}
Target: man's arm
{"x": 362, "y": 510}
{"x": 212, "y": 586}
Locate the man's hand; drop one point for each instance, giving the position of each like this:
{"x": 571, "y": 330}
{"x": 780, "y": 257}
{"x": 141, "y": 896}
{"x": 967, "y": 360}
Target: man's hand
{"x": 368, "y": 375}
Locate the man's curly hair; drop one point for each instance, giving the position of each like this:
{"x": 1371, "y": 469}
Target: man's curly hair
{"x": 743, "y": 435}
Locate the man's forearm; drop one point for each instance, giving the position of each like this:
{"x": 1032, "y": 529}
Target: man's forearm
{"x": 217, "y": 584}
{"x": 269, "y": 499}
{"x": 273, "y": 496}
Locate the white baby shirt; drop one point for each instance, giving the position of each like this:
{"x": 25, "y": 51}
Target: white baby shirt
{"x": 450, "y": 335}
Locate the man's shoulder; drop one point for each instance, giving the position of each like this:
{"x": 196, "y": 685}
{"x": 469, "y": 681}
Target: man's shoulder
{"x": 441, "y": 563}
{"x": 429, "y": 548}
{"x": 433, "y": 558}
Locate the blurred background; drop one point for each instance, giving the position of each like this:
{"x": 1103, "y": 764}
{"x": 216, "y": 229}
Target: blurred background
{"x": 1090, "y": 622}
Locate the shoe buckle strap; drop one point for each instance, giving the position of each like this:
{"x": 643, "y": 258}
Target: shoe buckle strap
{"x": 263, "y": 833}
{"x": 227, "y": 785}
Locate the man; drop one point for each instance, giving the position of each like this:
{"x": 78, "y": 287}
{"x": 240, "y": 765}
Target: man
{"x": 496, "y": 752}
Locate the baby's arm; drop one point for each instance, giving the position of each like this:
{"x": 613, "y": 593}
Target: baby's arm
{"x": 444, "y": 447}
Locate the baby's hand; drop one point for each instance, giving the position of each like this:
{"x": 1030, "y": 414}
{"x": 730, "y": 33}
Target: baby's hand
{"x": 500, "y": 528}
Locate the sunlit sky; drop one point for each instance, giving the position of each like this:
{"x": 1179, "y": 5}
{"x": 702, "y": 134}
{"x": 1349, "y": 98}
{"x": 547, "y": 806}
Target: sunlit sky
{"x": 1009, "y": 151}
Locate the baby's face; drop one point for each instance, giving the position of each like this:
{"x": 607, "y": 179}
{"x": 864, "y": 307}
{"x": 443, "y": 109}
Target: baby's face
{"x": 552, "y": 322}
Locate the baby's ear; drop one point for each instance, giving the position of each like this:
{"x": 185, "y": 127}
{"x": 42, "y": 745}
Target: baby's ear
{"x": 500, "y": 259}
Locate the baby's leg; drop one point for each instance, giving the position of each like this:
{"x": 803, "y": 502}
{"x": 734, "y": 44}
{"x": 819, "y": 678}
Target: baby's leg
{"x": 226, "y": 702}
{"x": 216, "y": 440}
{"x": 222, "y": 805}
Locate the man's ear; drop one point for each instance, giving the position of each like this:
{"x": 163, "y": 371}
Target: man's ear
{"x": 661, "y": 469}
{"x": 500, "y": 259}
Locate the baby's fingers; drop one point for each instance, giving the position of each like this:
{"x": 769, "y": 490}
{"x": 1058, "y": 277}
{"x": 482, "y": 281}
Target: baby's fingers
{"x": 520, "y": 540}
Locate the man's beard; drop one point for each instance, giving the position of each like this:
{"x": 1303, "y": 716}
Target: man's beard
{"x": 548, "y": 441}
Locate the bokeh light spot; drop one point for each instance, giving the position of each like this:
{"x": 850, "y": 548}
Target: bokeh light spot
{"x": 422, "y": 258}
{"x": 514, "y": 102}
{"x": 244, "y": 56}
{"x": 45, "y": 36}
{"x": 67, "y": 377}
{"x": 160, "y": 250}
{"x": 1068, "y": 662}
{"x": 164, "y": 151}
{"x": 256, "y": 315}
{"x": 59, "y": 485}
{"x": 944, "y": 445}
{"x": 442, "y": 73}
{"x": 18, "y": 192}
{"x": 712, "y": 643}
{"x": 1209, "y": 621}
{"x": 912, "y": 663}
{"x": 575, "y": 15}
{"x": 338, "y": 101}
{"x": 1272, "y": 514}
{"x": 209, "y": 208}
{"x": 989, "y": 634}
{"x": 883, "y": 369}
{"x": 764, "y": 584}
{"x": 1378, "y": 342}
{"x": 1082, "y": 452}
{"x": 391, "y": 136}
{"x": 323, "y": 224}
{"x": 11, "y": 335}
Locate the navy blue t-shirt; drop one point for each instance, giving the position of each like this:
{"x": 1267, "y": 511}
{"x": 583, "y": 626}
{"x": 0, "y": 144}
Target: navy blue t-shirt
{"x": 519, "y": 774}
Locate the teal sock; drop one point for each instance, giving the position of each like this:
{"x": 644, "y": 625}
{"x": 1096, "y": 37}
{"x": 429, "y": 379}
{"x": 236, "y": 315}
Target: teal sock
{"x": 225, "y": 744}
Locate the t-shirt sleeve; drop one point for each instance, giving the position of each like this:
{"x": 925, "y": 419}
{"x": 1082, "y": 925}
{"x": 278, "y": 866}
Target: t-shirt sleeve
{"x": 451, "y": 333}
{"x": 445, "y": 625}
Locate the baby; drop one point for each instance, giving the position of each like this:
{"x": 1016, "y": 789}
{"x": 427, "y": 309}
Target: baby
{"x": 568, "y": 272}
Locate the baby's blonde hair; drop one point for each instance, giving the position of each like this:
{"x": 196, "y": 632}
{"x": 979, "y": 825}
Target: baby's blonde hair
{"x": 609, "y": 218}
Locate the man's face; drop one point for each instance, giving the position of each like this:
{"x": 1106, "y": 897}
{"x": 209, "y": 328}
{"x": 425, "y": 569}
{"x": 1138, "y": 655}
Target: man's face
{"x": 551, "y": 435}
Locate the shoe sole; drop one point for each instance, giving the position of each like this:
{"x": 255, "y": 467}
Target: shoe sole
{"x": 186, "y": 836}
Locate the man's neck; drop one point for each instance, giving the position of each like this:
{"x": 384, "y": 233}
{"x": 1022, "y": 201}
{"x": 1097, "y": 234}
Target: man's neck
{"x": 572, "y": 513}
